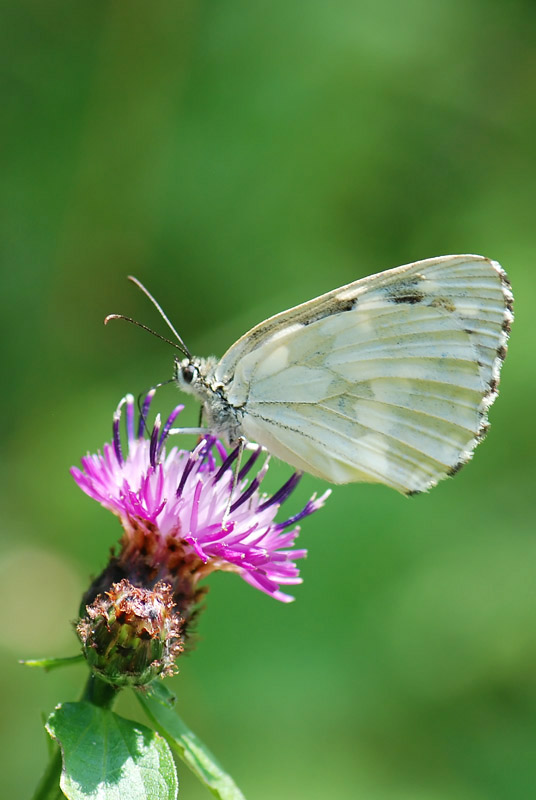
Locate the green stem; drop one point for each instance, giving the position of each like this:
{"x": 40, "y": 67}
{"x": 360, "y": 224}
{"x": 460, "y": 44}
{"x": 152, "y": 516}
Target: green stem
{"x": 99, "y": 693}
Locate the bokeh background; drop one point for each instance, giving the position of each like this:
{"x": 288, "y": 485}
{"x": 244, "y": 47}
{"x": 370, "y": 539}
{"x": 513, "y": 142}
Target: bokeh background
{"x": 240, "y": 158}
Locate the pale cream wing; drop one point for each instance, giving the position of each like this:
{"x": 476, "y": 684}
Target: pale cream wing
{"x": 387, "y": 380}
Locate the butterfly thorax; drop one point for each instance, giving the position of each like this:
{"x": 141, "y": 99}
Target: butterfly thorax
{"x": 196, "y": 376}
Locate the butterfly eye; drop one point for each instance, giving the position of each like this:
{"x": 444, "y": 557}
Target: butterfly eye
{"x": 188, "y": 373}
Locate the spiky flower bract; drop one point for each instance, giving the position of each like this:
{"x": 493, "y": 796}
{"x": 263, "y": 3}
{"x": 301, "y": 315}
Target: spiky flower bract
{"x": 131, "y": 635}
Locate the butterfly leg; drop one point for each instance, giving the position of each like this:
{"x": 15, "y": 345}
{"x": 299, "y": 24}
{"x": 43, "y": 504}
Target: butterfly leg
{"x": 195, "y": 431}
{"x": 242, "y": 443}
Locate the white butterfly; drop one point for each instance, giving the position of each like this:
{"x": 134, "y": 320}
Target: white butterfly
{"x": 385, "y": 380}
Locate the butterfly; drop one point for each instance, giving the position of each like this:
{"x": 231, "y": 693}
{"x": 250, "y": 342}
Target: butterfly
{"x": 385, "y": 380}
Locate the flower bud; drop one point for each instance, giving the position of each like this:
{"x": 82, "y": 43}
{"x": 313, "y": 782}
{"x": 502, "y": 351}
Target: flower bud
{"x": 131, "y": 635}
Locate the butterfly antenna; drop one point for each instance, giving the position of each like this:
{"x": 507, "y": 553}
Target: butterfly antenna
{"x": 150, "y": 330}
{"x": 160, "y": 310}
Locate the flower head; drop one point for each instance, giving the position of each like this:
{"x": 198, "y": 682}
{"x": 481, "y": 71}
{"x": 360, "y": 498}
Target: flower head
{"x": 182, "y": 515}
{"x": 131, "y": 635}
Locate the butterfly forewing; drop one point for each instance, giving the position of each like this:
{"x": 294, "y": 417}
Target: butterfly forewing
{"x": 385, "y": 380}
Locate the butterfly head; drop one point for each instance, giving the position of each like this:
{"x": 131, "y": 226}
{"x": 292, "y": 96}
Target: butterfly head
{"x": 186, "y": 372}
{"x": 194, "y": 375}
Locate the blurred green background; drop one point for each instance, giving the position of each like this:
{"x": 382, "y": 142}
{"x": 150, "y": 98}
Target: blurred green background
{"x": 239, "y": 158}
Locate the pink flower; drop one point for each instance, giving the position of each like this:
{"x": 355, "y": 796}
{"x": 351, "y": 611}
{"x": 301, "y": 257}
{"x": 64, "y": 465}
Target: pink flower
{"x": 173, "y": 507}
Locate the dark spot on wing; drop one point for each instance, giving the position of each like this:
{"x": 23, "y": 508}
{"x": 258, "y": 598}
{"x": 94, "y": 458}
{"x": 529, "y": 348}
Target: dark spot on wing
{"x": 310, "y": 320}
{"x": 346, "y": 305}
{"x": 415, "y": 297}
{"x": 507, "y": 326}
{"x": 493, "y": 385}
{"x": 468, "y": 330}
{"x": 337, "y": 307}
{"x": 482, "y": 432}
{"x": 445, "y": 303}
{"x": 455, "y": 469}
{"x": 414, "y": 492}
{"x": 501, "y": 352}
{"x": 405, "y": 291}
{"x": 507, "y": 291}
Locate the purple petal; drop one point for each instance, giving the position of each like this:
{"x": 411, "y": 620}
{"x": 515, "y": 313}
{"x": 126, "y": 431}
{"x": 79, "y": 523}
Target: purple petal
{"x": 117, "y": 438}
{"x": 130, "y": 417}
{"x": 249, "y": 463}
{"x": 222, "y": 452}
{"x": 154, "y": 440}
{"x": 281, "y": 495}
{"x": 253, "y": 486}
{"x": 144, "y": 411}
{"x": 167, "y": 427}
{"x": 310, "y": 507}
{"x": 195, "y": 507}
{"x": 226, "y": 464}
{"x": 188, "y": 467}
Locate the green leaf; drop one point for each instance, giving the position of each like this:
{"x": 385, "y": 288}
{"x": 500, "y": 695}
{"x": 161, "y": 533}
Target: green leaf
{"x": 106, "y": 757}
{"x": 160, "y": 692}
{"x": 51, "y": 663}
{"x": 157, "y": 705}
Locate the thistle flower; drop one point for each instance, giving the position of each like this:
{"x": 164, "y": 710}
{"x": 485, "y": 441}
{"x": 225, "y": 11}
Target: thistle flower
{"x": 183, "y": 519}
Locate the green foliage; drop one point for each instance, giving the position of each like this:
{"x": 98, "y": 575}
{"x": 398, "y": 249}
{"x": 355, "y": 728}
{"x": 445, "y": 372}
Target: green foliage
{"x": 52, "y": 663}
{"x": 106, "y": 757}
{"x": 158, "y": 706}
